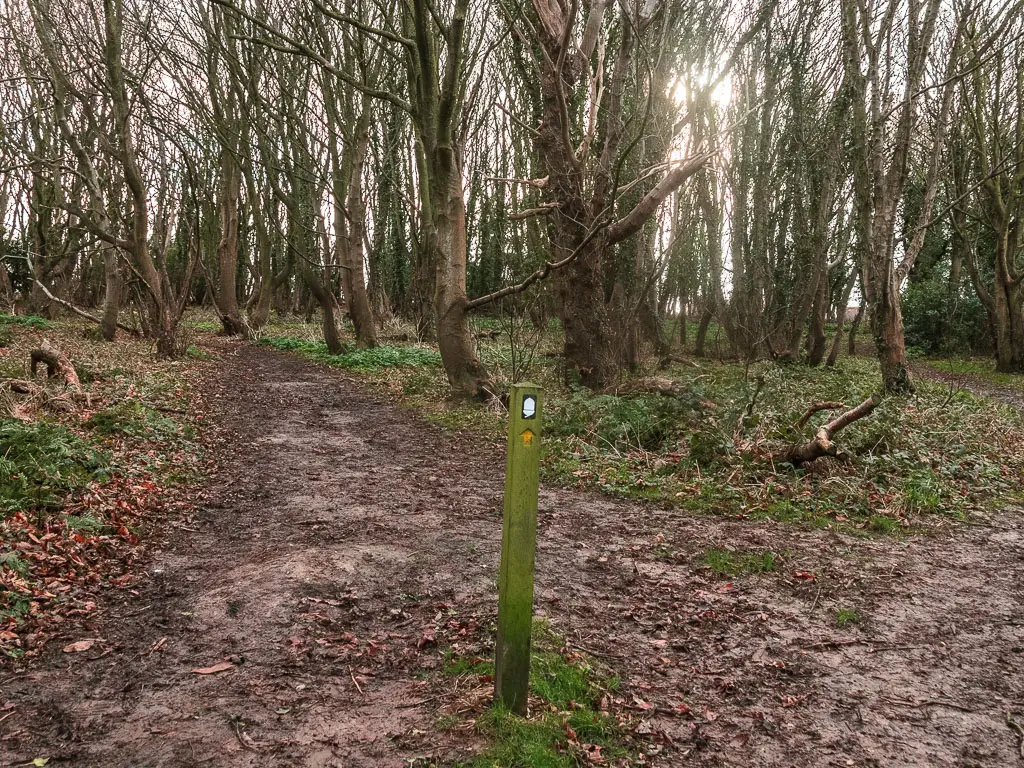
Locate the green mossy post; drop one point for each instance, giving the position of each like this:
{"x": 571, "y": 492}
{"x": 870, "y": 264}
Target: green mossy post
{"x": 518, "y": 548}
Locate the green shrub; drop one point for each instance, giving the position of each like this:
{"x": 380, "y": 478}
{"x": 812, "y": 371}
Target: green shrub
{"x": 846, "y": 617}
{"x": 26, "y": 321}
{"x": 932, "y": 328}
{"x": 12, "y": 562}
{"x": 643, "y": 421}
{"x": 921, "y": 492}
{"x": 86, "y": 524}
{"x": 40, "y": 464}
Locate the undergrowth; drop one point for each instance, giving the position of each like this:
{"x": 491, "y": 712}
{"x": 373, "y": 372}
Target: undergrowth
{"x": 982, "y": 368}
{"x": 41, "y": 464}
{"x": 707, "y": 449}
{"x": 132, "y": 419}
{"x": 26, "y": 321}
{"x": 725, "y": 562}
{"x": 568, "y": 723}
{"x": 80, "y": 488}
{"x": 357, "y": 359}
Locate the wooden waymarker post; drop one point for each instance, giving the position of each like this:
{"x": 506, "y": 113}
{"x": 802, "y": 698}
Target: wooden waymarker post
{"x": 518, "y": 548}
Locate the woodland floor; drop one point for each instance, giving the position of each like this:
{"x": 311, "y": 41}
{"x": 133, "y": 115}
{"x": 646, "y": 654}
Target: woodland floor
{"x": 344, "y": 542}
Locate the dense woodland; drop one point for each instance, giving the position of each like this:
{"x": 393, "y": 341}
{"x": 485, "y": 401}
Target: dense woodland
{"x": 269, "y": 268}
{"x": 762, "y": 169}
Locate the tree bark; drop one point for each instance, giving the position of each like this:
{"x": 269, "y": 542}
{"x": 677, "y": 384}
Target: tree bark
{"x": 822, "y": 444}
{"x": 227, "y": 246}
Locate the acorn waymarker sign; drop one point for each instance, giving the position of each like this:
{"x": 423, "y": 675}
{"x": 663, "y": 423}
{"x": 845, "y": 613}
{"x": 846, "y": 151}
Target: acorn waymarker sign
{"x": 518, "y": 549}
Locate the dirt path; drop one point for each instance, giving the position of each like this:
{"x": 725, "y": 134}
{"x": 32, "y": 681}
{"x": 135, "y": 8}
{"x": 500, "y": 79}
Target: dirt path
{"x": 341, "y": 534}
{"x": 973, "y": 383}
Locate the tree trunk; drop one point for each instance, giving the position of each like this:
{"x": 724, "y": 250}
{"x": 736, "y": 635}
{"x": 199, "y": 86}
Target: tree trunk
{"x": 350, "y": 239}
{"x": 112, "y": 293}
{"x": 227, "y": 247}
{"x": 833, "y": 354}
{"x": 588, "y": 335}
{"x": 702, "y": 332}
{"x": 816, "y": 339}
{"x": 887, "y": 329}
{"x": 1008, "y": 323}
{"x": 466, "y": 374}
{"x": 851, "y": 347}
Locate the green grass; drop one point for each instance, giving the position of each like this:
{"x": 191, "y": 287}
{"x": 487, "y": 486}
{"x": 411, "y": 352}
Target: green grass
{"x": 884, "y": 524}
{"x": 552, "y": 737}
{"x": 208, "y": 326}
{"x": 198, "y": 354}
{"x": 41, "y": 464}
{"x": 358, "y": 359}
{"x": 86, "y": 524}
{"x": 24, "y": 321}
{"x": 725, "y": 562}
{"x": 981, "y": 367}
{"x": 922, "y": 492}
{"x": 846, "y": 617}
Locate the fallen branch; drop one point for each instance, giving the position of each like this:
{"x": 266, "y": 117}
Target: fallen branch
{"x": 815, "y": 408}
{"x": 822, "y": 444}
{"x": 81, "y": 312}
{"x": 21, "y": 386}
{"x": 57, "y": 365}
{"x": 540, "y": 274}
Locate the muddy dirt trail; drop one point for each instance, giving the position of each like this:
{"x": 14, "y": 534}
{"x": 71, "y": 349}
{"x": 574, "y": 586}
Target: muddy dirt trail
{"x": 344, "y": 542}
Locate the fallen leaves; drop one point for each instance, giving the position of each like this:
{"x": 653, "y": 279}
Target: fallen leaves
{"x": 220, "y": 666}
{"x": 55, "y": 557}
{"x": 79, "y": 646}
{"x": 640, "y": 704}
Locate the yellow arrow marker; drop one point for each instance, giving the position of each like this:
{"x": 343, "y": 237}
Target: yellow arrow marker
{"x": 527, "y": 437}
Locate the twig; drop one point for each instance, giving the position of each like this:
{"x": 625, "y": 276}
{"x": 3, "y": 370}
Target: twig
{"x": 416, "y": 703}
{"x": 356, "y": 682}
{"x": 1016, "y": 728}
{"x": 166, "y": 409}
{"x": 927, "y": 703}
{"x": 81, "y": 312}
{"x": 243, "y": 739}
{"x": 7, "y": 715}
{"x": 133, "y": 613}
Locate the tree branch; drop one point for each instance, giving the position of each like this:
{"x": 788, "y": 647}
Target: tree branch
{"x": 540, "y": 274}
{"x": 670, "y": 182}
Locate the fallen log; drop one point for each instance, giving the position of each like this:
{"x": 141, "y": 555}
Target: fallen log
{"x": 57, "y": 365}
{"x": 822, "y": 444}
{"x": 814, "y": 408}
